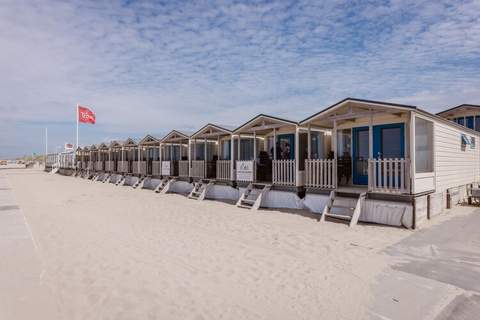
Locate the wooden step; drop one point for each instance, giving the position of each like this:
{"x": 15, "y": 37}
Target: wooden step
{"x": 338, "y": 216}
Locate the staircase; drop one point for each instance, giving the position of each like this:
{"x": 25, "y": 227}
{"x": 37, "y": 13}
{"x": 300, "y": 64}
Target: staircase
{"x": 139, "y": 182}
{"x": 344, "y": 206}
{"x": 252, "y": 197}
{"x": 120, "y": 181}
{"x": 200, "y": 189}
{"x": 164, "y": 185}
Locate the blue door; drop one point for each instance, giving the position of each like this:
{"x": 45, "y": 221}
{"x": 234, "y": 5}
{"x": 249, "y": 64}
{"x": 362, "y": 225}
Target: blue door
{"x": 360, "y": 155}
{"x": 389, "y": 141}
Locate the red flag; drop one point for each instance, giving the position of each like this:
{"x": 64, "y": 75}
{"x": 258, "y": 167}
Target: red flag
{"x": 86, "y": 115}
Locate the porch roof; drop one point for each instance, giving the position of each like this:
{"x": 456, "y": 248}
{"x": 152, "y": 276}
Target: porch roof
{"x": 115, "y": 144}
{"x": 212, "y": 130}
{"x": 353, "y": 108}
{"x": 102, "y": 146}
{"x": 460, "y": 108}
{"x": 174, "y": 136}
{"x": 149, "y": 140}
{"x": 263, "y": 123}
{"x": 129, "y": 143}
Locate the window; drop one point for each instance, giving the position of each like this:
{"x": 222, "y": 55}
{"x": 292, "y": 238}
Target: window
{"x": 477, "y": 123}
{"x": 423, "y": 145}
{"x": 470, "y": 122}
{"x": 461, "y": 121}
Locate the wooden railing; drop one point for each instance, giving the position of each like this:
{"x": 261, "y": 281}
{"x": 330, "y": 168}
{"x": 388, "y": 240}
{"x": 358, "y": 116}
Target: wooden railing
{"x": 389, "y": 175}
{"x": 283, "y": 172}
{"x": 320, "y": 173}
{"x": 156, "y": 168}
{"x": 198, "y": 169}
{"x": 224, "y": 170}
{"x": 183, "y": 168}
{"x": 122, "y": 166}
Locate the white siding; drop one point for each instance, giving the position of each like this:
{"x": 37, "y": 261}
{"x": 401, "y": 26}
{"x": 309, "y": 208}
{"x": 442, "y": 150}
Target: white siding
{"x": 453, "y": 166}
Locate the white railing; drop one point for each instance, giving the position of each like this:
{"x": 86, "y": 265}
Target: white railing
{"x": 84, "y": 165}
{"x": 156, "y": 168}
{"x": 224, "y": 170}
{"x": 283, "y": 172}
{"x": 139, "y": 167}
{"x": 99, "y": 165}
{"x": 246, "y": 171}
{"x": 389, "y": 175}
{"x": 90, "y": 165}
{"x": 320, "y": 173}
{"x": 122, "y": 166}
{"x": 183, "y": 168}
{"x": 109, "y": 166}
{"x": 198, "y": 169}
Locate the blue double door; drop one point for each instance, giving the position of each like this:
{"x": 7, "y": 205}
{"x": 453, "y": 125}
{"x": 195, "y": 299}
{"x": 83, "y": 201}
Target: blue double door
{"x": 388, "y": 142}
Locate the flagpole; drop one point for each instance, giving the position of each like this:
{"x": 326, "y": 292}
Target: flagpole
{"x": 76, "y": 146}
{"x": 46, "y": 146}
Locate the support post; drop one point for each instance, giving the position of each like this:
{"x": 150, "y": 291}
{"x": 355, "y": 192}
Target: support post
{"x": 205, "y": 157}
{"x": 335, "y": 152}
{"x": 298, "y": 177}
{"x": 370, "y": 151}
{"x": 274, "y": 143}
{"x": 412, "y": 152}
{"x": 232, "y": 157}
{"x": 309, "y": 143}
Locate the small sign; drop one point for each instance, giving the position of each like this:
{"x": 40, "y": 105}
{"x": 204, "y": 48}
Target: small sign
{"x": 245, "y": 170}
{"x": 166, "y": 168}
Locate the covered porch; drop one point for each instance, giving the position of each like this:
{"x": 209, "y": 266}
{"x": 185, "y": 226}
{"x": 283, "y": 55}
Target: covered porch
{"x": 127, "y": 156}
{"x": 93, "y": 158}
{"x": 149, "y": 156}
{"x": 114, "y": 150}
{"x": 211, "y": 153}
{"x": 174, "y": 155}
{"x": 371, "y": 147}
{"x": 267, "y": 151}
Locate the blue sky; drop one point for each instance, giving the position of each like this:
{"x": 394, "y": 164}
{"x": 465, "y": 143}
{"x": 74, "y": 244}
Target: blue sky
{"x": 149, "y": 67}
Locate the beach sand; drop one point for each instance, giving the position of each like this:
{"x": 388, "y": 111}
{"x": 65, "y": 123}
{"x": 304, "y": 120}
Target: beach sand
{"x": 110, "y": 252}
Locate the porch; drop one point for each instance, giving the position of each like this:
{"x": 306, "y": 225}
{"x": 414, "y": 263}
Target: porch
{"x": 211, "y": 153}
{"x": 370, "y": 148}
{"x": 267, "y": 152}
{"x": 173, "y": 156}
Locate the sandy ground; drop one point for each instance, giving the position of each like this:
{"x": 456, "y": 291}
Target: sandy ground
{"x": 108, "y": 252}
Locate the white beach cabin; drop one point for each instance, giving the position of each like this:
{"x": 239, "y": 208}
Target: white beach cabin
{"x": 150, "y": 162}
{"x": 389, "y": 163}
{"x": 212, "y": 168}
{"x": 266, "y": 168}
{"x": 129, "y": 156}
{"x": 175, "y": 163}
{"x": 113, "y": 164}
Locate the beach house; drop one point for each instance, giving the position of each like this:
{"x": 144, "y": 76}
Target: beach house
{"x": 390, "y": 163}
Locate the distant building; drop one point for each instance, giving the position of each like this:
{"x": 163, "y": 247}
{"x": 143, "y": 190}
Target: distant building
{"x": 467, "y": 115}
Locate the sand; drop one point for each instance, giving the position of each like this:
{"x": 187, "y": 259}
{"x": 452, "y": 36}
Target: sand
{"x": 110, "y": 252}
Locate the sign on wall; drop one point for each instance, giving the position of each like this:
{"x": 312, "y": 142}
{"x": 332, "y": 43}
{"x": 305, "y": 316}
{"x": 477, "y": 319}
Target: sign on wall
{"x": 166, "y": 168}
{"x": 245, "y": 170}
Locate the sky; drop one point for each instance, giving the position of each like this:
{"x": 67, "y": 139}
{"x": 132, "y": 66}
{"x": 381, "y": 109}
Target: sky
{"x": 147, "y": 67}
